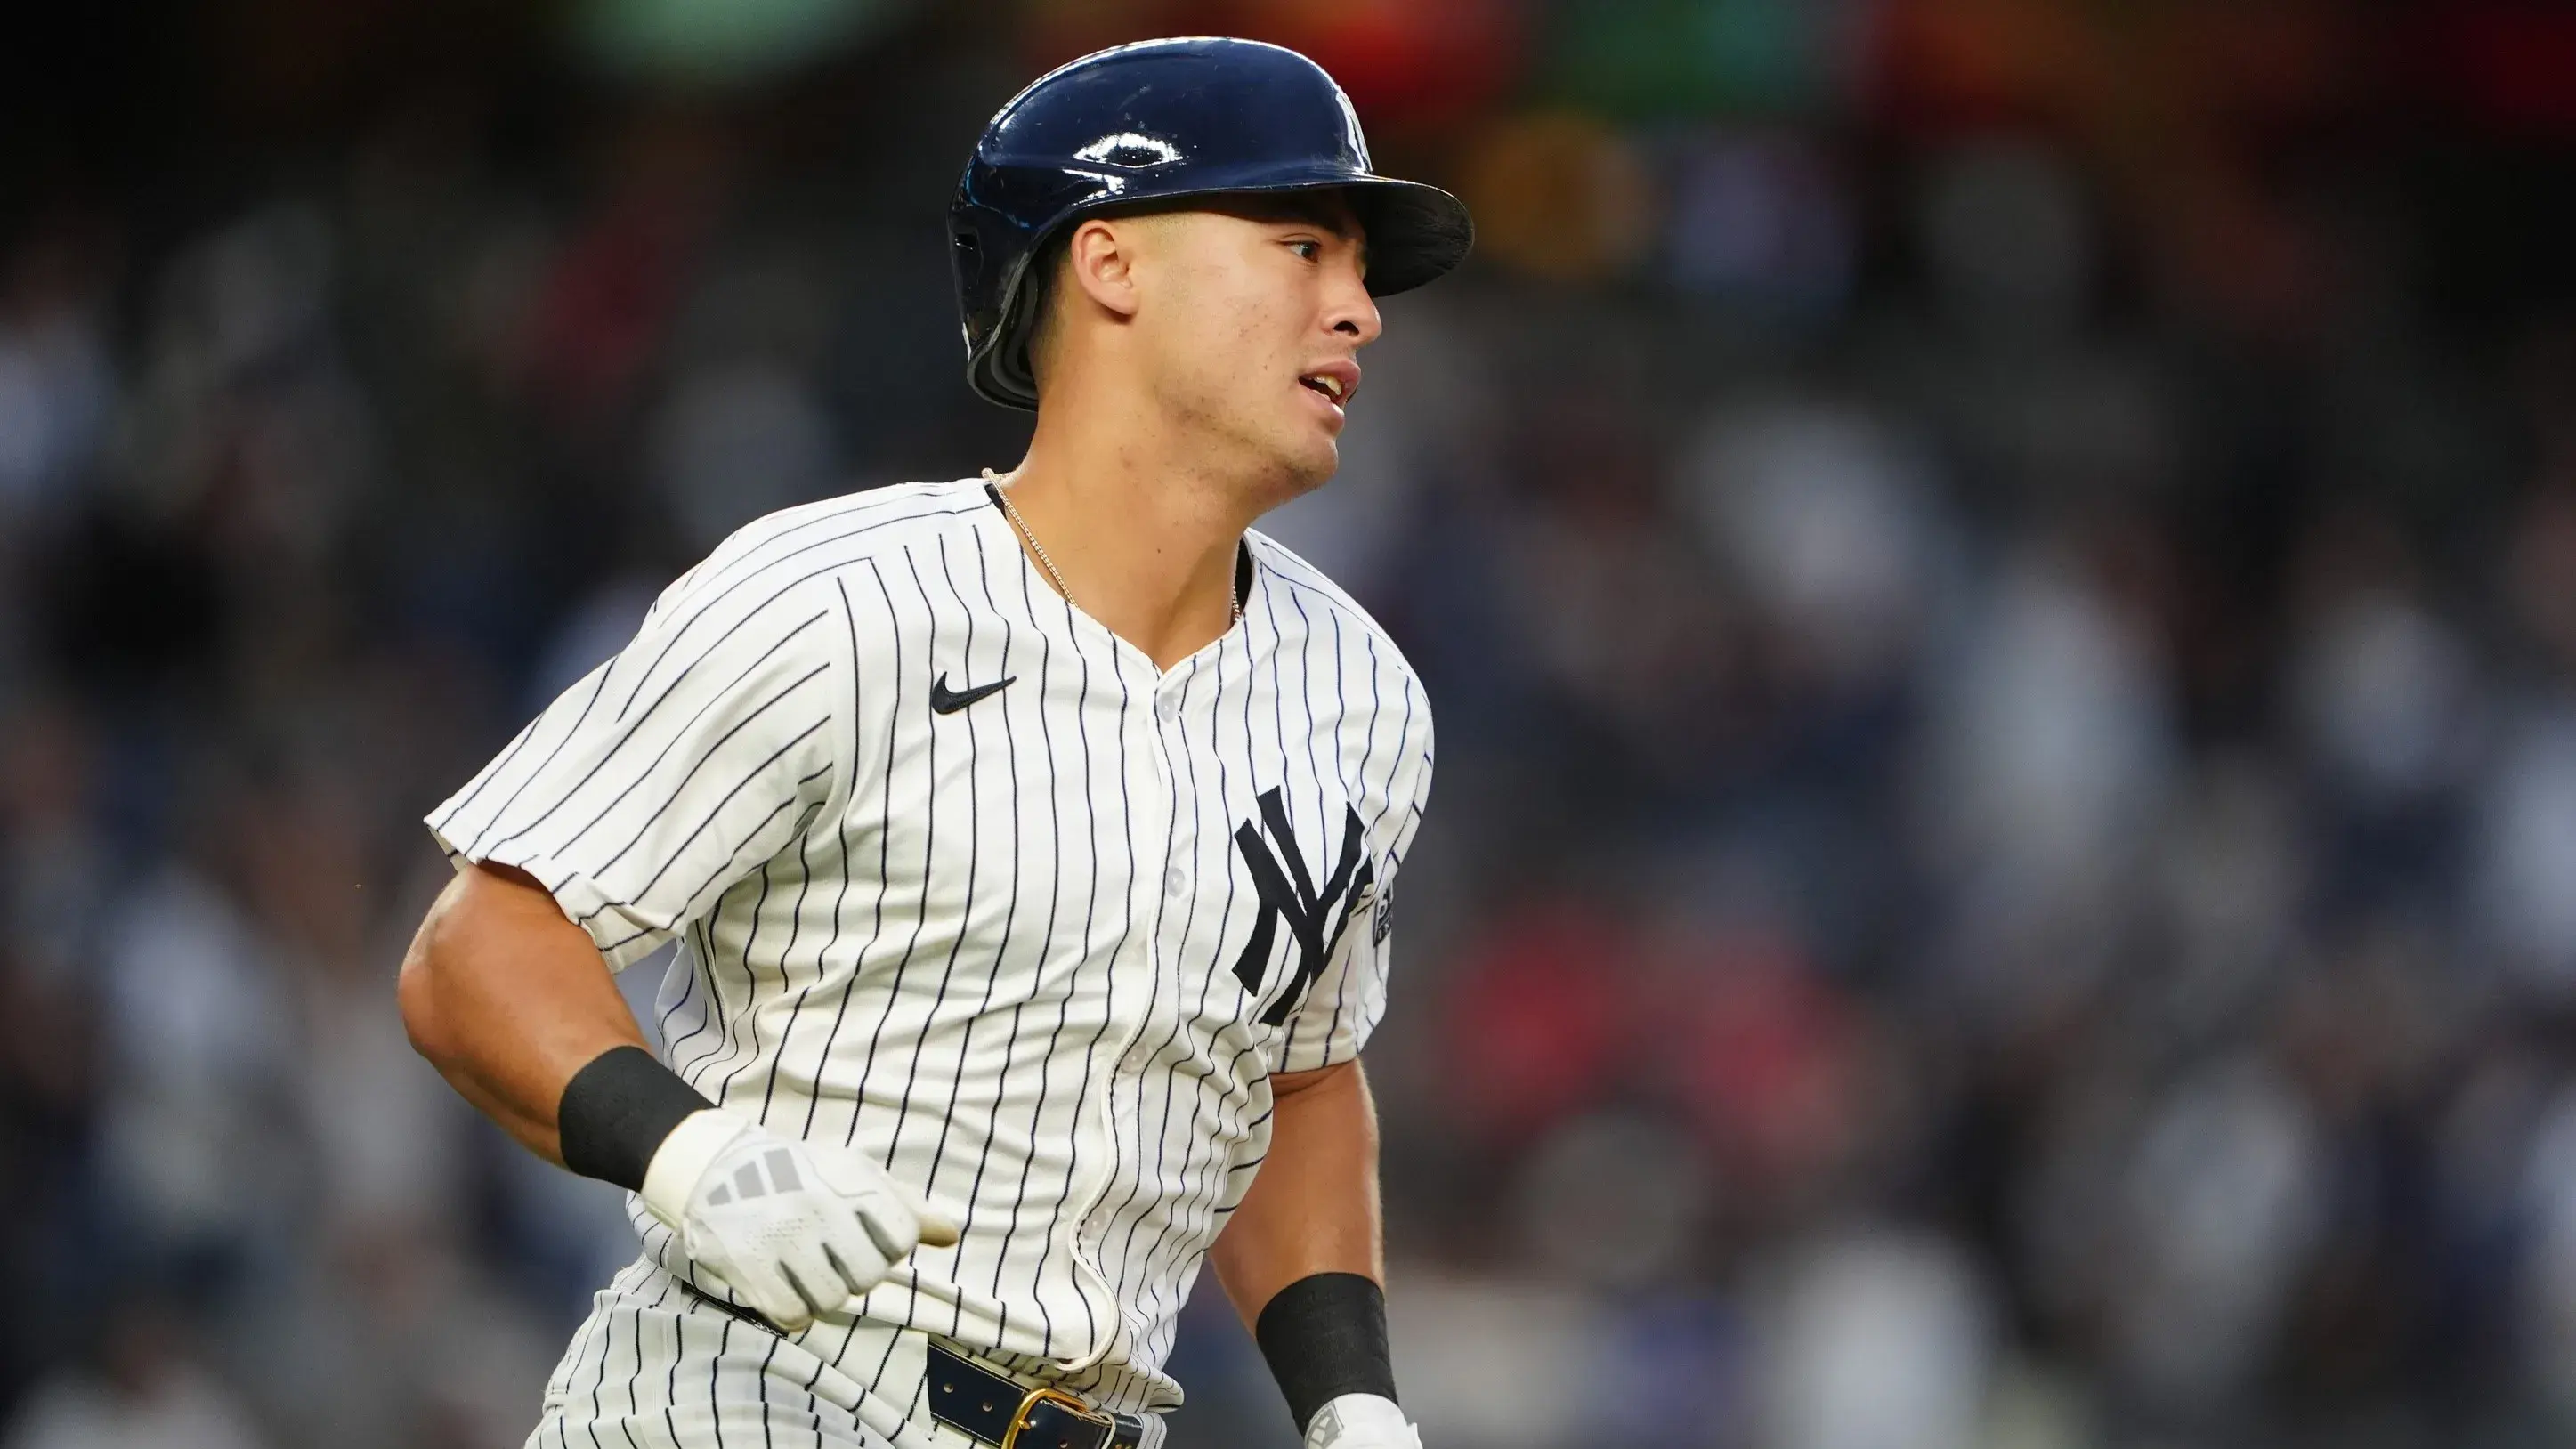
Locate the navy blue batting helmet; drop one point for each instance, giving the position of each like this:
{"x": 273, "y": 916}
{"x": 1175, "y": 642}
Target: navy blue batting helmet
{"x": 1164, "y": 120}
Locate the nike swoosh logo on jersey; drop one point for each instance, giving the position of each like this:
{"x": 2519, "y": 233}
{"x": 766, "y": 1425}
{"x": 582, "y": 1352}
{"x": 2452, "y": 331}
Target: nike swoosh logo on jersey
{"x": 944, "y": 700}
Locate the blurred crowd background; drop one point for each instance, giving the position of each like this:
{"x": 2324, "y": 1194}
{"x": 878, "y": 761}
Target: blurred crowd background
{"x": 1999, "y": 578}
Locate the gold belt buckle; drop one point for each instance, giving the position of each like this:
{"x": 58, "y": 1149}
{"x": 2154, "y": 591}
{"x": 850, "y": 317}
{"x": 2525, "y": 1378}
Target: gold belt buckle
{"x": 1058, "y": 1397}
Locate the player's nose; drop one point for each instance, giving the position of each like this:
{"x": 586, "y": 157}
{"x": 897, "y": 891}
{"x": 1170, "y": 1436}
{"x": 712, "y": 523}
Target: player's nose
{"x": 1349, "y": 310}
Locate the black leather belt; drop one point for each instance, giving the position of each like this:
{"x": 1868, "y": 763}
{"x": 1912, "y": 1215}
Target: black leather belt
{"x": 974, "y": 1400}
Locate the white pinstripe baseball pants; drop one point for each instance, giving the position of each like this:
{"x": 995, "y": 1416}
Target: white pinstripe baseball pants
{"x": 654, "y": 1367}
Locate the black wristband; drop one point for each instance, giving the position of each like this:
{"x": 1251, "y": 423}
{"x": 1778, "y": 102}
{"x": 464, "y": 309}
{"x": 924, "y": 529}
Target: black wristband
{"x": 1325, "y": 1336}
{"x": 615, "y": 1112}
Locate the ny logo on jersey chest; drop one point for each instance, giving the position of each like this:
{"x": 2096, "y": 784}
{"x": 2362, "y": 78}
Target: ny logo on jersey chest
{"x": 1316, "y": 917}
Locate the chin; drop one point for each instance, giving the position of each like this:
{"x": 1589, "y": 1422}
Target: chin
{"x": 1292, "y": 474}
{"x": 1310, "y": 468}
{"x": 1313, "y": 454}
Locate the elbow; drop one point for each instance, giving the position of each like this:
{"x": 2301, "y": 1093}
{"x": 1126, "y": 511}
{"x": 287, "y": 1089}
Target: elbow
{"x": 416, "y": 993}
{"x": 419, "y": 1010}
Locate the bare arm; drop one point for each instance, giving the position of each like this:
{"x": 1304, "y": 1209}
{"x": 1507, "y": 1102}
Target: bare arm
{"x": 1313, "y": 1205}
{"x": 508, "y": 999}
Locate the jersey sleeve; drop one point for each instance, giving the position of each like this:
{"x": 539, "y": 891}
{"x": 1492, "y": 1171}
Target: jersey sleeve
{"x": 1343, "y": 1006}
{"x": 707, "y": 745}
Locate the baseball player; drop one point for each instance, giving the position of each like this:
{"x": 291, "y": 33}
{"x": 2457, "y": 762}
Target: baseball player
{"x": 1028, "y": 839}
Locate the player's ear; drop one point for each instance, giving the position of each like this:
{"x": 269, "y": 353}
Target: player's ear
{"x": 1100, "y": 260}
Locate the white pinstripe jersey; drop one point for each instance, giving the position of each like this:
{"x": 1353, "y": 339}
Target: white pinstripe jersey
{"x": 1038, "y": 954}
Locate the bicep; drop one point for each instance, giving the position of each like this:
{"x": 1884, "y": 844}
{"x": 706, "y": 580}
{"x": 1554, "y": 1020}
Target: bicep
{"x": 1285, "y": 1085}
{"x": 494, "y": 945}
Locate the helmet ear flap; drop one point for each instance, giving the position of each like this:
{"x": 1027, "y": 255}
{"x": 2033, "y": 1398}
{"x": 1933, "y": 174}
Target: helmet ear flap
{"x": 984, "y": 267}
{"x": 1027, "y": 288}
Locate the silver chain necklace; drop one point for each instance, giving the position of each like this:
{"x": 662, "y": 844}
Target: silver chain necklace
{"x": 1056, "y": 576}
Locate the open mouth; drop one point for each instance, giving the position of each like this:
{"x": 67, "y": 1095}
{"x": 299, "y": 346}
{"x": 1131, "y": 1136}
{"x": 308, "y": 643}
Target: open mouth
{"x": 1336, "y": 382}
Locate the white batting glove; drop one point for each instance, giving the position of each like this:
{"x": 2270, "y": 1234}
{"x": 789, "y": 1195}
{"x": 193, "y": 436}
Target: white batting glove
{"x": 1360, "y": 1421}
{"x": 797, "y": 1228}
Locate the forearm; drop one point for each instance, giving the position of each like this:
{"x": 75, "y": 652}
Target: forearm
{"x": 1313, "y": 1204}
{"x": 508, "y": 999}
{"x": 514, "y": 1006}
{"x": 1304, "y": 1262}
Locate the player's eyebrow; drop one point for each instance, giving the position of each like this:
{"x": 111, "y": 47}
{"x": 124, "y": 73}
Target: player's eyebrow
{"x": 1340, "y": 220}
{"x": 1327, "y": 211}
{"x": 1335, "y": 219}
{"x": 1316, "y": 209}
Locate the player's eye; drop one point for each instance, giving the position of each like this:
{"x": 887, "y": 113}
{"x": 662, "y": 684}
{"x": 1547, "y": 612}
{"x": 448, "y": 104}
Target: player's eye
{"x": 1308, "y": 250}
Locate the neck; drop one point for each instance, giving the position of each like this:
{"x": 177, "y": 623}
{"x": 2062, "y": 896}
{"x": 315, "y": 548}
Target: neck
{"x": 1144, "y": 533}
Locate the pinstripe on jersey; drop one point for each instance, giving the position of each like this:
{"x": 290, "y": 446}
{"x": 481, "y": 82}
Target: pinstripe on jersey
{"x": 1024, "y": 952}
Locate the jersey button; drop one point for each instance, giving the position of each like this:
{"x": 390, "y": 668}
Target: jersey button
{"x": 1176, "y": 880}
{"x": 1169, "y": 706}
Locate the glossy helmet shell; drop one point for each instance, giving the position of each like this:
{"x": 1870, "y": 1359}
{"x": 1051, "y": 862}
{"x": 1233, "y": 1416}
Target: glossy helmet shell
{"x": 1165, "y": 120}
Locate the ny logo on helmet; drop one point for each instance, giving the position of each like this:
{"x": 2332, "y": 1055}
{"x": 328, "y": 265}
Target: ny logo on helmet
{"x": 1316, "y": 918}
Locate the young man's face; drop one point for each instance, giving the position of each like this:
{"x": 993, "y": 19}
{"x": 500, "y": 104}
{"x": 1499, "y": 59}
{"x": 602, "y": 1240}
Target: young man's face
{"x": 1252, "y": 315}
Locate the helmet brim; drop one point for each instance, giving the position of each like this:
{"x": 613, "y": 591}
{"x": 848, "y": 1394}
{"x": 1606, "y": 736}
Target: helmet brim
{"x": 1416, "y": 233}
